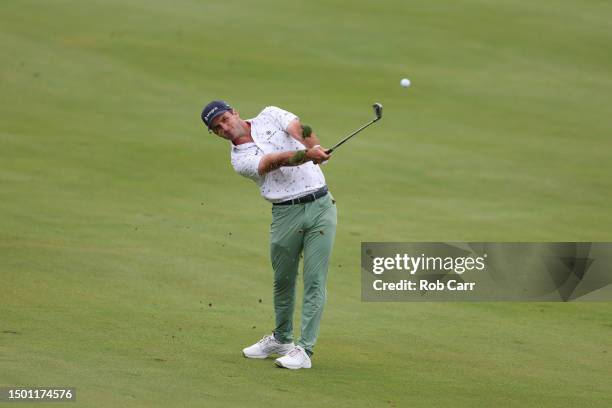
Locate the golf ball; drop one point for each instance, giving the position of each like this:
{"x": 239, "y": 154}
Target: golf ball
{"x": 405, "y": 82}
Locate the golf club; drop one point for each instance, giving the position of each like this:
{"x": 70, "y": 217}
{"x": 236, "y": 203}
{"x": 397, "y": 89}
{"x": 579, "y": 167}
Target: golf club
{"x": 377, "y": 111}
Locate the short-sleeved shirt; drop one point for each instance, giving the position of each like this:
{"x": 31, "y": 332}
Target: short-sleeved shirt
{"x": 269, "y": 133}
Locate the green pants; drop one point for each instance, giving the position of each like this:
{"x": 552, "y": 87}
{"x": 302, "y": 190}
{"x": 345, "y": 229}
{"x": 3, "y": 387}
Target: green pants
{"x": 309, "y": 228}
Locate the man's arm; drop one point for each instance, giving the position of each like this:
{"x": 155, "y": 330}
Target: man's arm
{"x": 273, "y": 161}
{"x": 295, "y": 130}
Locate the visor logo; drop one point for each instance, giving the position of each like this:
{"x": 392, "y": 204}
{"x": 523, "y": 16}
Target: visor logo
{"x": 216, "y": 108}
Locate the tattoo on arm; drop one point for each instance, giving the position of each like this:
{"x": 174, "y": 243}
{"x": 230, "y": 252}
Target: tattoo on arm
{"x": 273, "y": 161}
{"x": 306, "y": 131}
{"x": 298, "y": 157}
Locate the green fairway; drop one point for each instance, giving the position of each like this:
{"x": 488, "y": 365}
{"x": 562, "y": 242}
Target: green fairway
{"x": 134, "y": 260}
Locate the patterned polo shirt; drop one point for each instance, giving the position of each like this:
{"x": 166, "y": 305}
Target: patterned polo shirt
{"x": 269, "y": 132}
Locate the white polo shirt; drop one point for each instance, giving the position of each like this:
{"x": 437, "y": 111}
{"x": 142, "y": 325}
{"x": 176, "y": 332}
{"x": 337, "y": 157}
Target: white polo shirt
{"x": 269, "y": 132}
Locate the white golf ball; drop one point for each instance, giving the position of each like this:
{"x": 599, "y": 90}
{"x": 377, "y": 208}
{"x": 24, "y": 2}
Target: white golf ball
{"x": 405, "y": 82}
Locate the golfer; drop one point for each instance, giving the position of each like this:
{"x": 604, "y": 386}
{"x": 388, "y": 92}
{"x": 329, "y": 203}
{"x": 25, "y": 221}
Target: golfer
{"x": 275, "y": 152}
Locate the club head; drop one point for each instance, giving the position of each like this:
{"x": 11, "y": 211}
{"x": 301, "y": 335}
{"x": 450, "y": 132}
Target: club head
{"x": 377, "y": 110}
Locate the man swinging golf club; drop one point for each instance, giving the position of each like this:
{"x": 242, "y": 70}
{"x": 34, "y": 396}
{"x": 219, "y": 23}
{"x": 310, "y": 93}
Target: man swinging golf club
{"x": 282, "y": 157}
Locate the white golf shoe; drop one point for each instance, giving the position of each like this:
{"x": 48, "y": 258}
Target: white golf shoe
{"x": 267, "y": 346}
{"x": 296, "y": 358}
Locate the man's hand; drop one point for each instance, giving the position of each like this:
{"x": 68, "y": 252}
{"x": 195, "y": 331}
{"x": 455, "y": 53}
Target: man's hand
{"x": 317, "y": 154}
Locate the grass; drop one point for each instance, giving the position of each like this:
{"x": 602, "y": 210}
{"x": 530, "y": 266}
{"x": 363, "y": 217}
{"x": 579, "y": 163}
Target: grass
{"x": 133, "y": 259}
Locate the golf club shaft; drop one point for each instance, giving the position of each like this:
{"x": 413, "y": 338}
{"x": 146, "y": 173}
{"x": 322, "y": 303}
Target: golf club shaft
{"x": 329, "y": 151}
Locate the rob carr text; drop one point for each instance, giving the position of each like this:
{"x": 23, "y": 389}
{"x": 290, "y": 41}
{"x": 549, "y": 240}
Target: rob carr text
{"x": 423, "y": 284}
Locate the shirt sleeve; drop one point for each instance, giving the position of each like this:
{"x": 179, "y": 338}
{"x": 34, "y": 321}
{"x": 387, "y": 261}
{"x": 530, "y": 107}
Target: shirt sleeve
{"x": 246, "y": 162}
{"x": 280, "y": 116}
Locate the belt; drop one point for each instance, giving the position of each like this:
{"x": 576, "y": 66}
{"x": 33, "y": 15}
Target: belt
{"x": 306, "y": 198}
